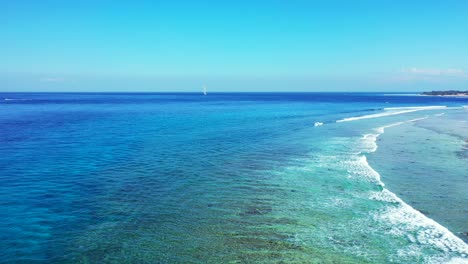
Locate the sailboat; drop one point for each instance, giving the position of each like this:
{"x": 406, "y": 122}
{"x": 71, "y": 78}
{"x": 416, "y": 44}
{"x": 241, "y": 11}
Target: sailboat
{"x": 204, "y": 89}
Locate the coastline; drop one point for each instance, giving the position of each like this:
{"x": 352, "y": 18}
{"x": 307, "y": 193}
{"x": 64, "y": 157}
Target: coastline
{"x": 447, "y": 95}
{"x": 450, "y": 93}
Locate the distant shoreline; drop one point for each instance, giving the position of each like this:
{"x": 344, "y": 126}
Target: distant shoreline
{"x": 447, "y": 93}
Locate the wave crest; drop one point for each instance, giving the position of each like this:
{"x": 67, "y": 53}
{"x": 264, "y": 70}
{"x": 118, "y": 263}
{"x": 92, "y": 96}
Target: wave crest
{"x": 404, "y": 219}
{"x": 391, "y": 111}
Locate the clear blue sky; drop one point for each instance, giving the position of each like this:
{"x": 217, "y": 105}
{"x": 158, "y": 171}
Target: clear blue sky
{"x": 233, "y": 45}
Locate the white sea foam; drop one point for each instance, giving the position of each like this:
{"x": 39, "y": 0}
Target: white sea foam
{"x": 382, "y": 129}
{"x": 426, "y": 239}
{"x": 316, "y": 124}
{"x": 417, "y": 107}
{"x": 400, "y": 219}
{"x": 367, "y": 170}
{"x": 348, "y": 119}
{"x": 455, "y": 261}
{"x": 369, "y": 142}
{"x": 396, "y": 94}
{"x": 13, "y": 99}
{"x": 404, "y": 219}
{"x": 390, "y": 112}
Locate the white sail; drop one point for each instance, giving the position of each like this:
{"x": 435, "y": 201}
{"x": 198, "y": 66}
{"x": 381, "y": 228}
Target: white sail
{"x": 204, "y": 89}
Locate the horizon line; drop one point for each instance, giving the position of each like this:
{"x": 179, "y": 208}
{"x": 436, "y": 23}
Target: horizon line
{"x": 219, "y": 92}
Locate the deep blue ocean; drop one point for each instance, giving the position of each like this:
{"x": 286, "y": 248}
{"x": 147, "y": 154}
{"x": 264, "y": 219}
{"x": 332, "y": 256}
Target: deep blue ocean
{"x": 233, "y": 177}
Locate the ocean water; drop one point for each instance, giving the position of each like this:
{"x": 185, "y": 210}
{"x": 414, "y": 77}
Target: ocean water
{"x": 233, "y": 177}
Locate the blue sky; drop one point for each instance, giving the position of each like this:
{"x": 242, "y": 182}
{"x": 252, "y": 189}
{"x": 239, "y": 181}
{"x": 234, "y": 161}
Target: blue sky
{"x": 233, "y": 45}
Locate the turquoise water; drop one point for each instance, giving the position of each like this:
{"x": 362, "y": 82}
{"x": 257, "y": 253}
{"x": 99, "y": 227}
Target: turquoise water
{"x": 177, "y": 178}
{"x": 436, "y": 184}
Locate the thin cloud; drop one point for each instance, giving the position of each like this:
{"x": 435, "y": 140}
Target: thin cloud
{"x": 52, "y": 79}
{"x": 436, "y": 72}
{"x": 434, "y": 76}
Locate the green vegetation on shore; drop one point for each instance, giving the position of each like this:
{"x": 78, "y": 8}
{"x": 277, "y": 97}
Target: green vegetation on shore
{"x": 450, "y": 92}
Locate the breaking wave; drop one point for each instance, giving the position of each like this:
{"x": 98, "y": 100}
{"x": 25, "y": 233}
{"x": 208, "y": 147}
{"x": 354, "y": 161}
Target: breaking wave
{"x": 404, "y": 219}
{"x": 391, "y": 111}
{"x": 16, "y": 99}
{"x": 316, "y": 124}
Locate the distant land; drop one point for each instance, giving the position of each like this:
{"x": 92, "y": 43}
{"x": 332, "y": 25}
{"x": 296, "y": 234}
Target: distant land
{"x": 447, "y": 93}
